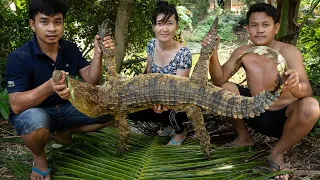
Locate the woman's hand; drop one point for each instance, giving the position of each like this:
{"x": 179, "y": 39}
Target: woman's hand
{"x": 158, "y": 108}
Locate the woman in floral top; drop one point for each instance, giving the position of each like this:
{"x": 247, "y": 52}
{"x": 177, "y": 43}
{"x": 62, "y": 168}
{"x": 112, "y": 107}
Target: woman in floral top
{"x": 167, "y": 56}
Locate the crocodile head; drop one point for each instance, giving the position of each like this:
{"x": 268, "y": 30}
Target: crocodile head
{"x": 83, "y": 96}
{"x": 58, "y": 76}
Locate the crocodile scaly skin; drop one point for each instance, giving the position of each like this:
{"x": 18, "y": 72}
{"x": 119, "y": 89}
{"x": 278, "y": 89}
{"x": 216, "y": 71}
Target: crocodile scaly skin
{"x": 121, "y": 95}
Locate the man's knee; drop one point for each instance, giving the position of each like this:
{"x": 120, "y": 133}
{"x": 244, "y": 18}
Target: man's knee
{"x": 38, "y": 134}
{"x": 308, "y": 110}
{"x": 110, "y": 123}
{"x": 30, "y": 120}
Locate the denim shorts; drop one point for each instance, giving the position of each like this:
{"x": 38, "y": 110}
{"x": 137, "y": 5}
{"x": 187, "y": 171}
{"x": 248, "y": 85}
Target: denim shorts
{"x": 55, "y": 118}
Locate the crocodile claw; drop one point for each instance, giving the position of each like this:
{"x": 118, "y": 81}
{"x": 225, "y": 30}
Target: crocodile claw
{"x": 103, "y": 29}
{"x": 207, "y": 154}
{"x": 122, "y": 149}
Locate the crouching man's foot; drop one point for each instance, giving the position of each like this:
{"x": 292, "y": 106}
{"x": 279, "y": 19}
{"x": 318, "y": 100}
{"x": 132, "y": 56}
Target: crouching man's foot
{"x": 62, "y": 138}
{"x": 276, "y": 163}
{"x": 40, "y": 170}
{"x": 177, "y": 139}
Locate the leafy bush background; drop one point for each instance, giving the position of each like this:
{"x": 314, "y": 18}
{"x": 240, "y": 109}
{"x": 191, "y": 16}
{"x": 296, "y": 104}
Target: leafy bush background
{"x": 227, "y": 22}
{"x": 309, "y": 44}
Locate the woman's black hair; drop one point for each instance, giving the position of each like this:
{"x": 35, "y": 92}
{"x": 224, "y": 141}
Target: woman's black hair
{"x": 167, "y": 9}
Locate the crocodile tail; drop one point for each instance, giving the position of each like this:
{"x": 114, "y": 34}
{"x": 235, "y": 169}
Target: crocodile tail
{"x": 272, "y": 54}
{"x": 200, "y": 72}
{"x": 236, "y": 106}
{"x": 256, "y": 105}
{"x": 107, "y": 53}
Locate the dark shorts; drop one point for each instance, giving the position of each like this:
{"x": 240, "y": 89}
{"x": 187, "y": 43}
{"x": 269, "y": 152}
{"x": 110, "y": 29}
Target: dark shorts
{"x": 269, "y": 123}
{"x": 56, "y": 118}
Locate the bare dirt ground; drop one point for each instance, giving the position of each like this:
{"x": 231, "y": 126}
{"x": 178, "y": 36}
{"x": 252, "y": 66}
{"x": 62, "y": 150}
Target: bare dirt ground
{"x": 6, "y": 130}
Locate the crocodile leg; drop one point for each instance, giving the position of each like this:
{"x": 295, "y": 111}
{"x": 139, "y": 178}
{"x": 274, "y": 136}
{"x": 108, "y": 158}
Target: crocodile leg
{"x": 123, "y": 132}
{"x": 194, "y": 114}
{"x": 200, "y": 71}
{"x": 107, "y": 53}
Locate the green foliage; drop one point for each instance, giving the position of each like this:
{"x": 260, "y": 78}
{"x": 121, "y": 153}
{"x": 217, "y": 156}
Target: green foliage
{"x": 242, "y": 18}
{"x": 316, "y": 130}
{"x": 2, "y": 73}
{"x": 185, "y": 21}
{"x": 308, "y": 43}
{"x": 134, "y": 66}
{"x": 4, "y": 104}
{"x": 83, "y": 18}
{"x": 227, "y": 22}
{"x": 198, "y": 8}
{"x": 140, "y": 26}
{"x": 14, "y": 31}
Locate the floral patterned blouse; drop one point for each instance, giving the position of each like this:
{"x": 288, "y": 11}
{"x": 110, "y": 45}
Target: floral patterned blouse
{"x": 182, "y": 60}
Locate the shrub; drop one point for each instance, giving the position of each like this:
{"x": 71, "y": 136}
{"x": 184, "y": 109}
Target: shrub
{"x": 316, "y": 130}
{"x": 308, "y": 43}
{"x": 134, "y": 66}
{"x": 14, "y": 31}
{"x": 185, "y": 18}
{"x": 227, "y": 21}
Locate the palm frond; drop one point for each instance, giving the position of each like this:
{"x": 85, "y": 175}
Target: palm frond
{"x": 94, "y": 156}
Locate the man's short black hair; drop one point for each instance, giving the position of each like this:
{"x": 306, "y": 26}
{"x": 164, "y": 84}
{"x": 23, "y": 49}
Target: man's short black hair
{"x": 263, "y": 7}
{"x": 48, "y": 7}
{"x": 163, "y": 7}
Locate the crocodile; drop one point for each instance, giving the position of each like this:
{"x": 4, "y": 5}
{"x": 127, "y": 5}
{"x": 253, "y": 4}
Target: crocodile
{"x": 120, "y": 95}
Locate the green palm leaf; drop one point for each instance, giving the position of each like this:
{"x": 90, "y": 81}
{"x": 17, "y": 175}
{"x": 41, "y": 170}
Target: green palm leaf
{"x": 4, "y": 110}
{"x": 94, "y": 156}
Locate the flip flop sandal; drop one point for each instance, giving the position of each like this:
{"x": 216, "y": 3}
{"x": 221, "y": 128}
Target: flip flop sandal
{"x": 277, "y": 167}
{"x": 44, "y": 174}
{"x": 175, "y": 143}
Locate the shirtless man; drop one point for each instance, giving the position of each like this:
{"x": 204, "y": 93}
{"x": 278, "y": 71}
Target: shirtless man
{"x": 294, "y": 114}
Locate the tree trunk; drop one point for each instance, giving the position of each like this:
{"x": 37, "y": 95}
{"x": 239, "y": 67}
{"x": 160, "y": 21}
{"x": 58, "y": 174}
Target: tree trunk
{"x": 228, "y": 4}
{"x": 121, "y": 30}
{"x": 279, "y": 7}
{"x": 283, "y": 31}
{"x": 292, "y": 20}
{"x": 213, "y": 3}
{"x": 288, "y": 26}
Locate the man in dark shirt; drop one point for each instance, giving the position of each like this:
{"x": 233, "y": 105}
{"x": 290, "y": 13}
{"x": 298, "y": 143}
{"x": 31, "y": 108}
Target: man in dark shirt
{"x": 39, "y": 106}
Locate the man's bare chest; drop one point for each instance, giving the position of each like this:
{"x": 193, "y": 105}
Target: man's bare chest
{"x": 261, "y": 72}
